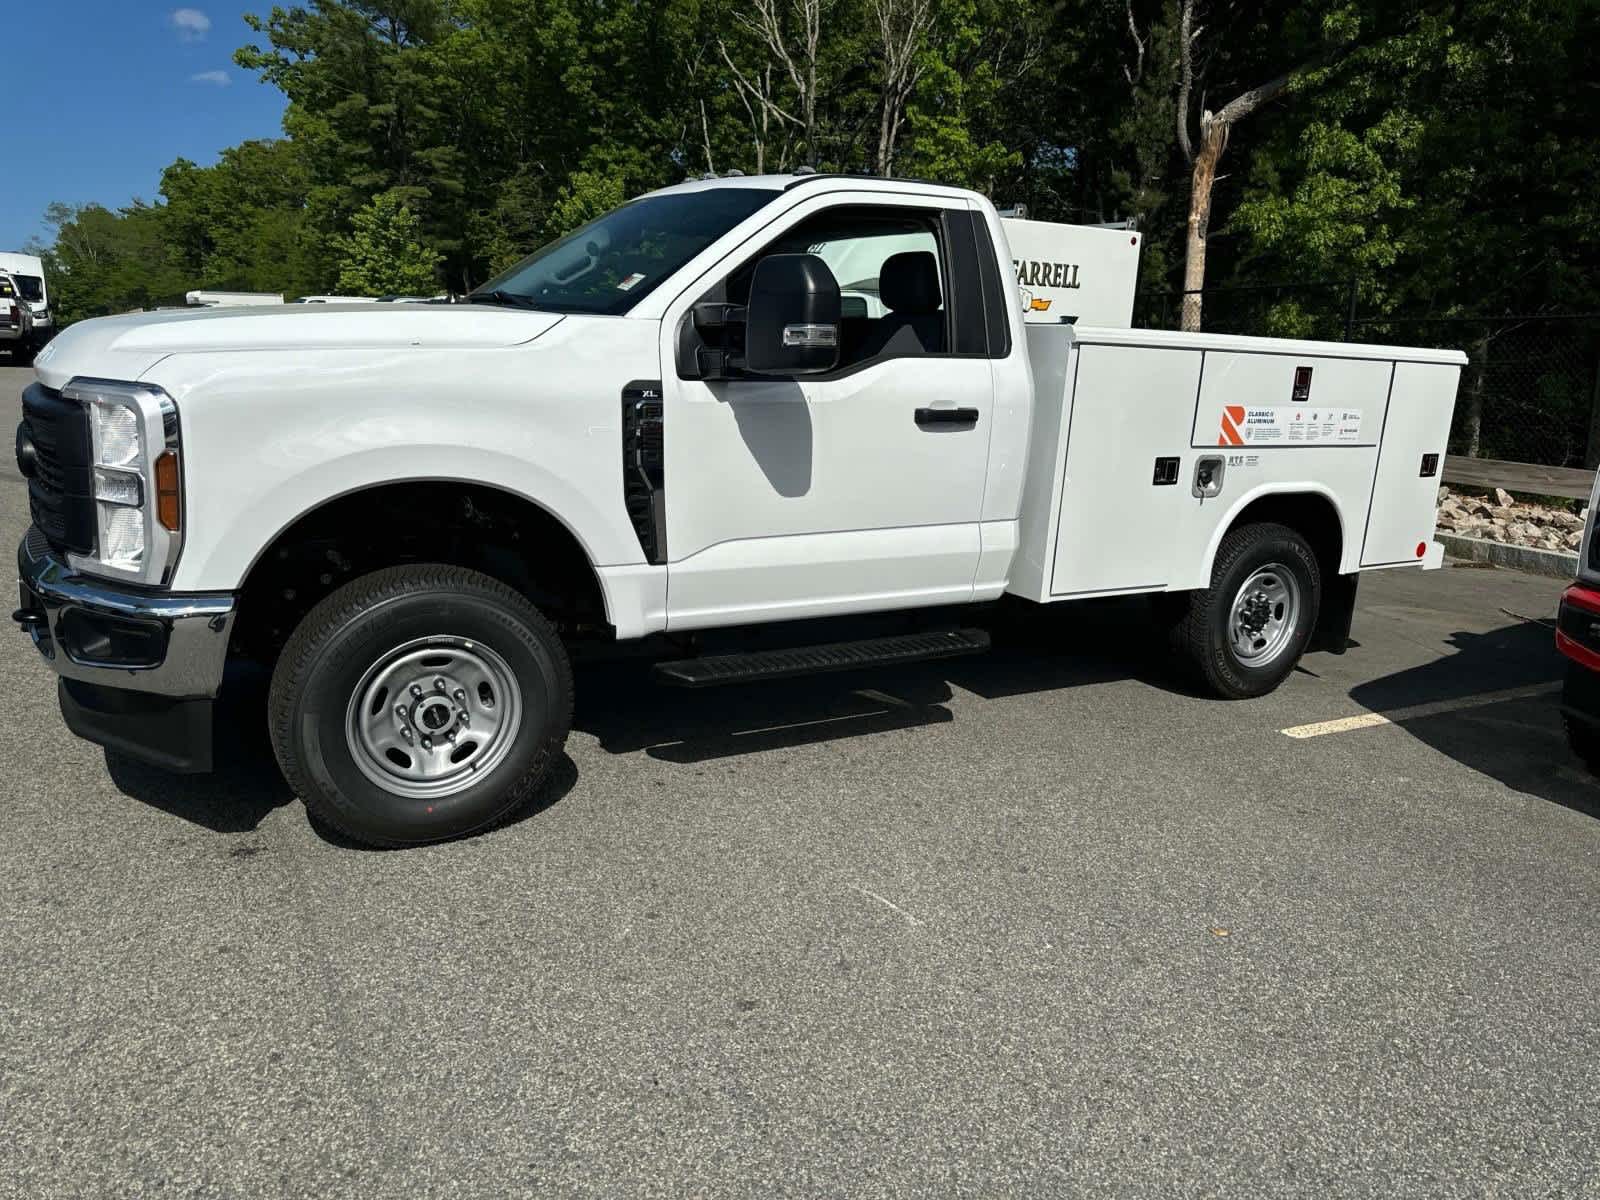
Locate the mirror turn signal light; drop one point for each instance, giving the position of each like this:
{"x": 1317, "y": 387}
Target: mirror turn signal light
{"x": 167, "y": 507}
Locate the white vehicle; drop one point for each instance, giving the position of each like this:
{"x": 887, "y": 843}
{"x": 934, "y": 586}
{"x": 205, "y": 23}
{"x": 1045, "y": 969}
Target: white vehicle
{"x": 26, "y": 272}
{"x": 16, "y": 319}
{"x": 667, "y": 422}
{"x": 201, "y": 298}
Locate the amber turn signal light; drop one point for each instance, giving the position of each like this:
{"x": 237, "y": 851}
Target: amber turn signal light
{"x": 167, "y": 491}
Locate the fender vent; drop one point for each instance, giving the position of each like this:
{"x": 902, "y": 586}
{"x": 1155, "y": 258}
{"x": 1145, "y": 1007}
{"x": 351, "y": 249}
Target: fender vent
{"x": 644, "y": 466}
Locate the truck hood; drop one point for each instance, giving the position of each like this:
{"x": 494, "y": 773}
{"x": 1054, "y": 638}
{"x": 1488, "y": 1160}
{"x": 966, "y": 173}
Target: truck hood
{"x": 126, "y": 347}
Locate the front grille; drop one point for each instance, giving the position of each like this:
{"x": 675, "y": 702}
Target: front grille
{"x": 59, "y": 487}
{"x": 38, "y": 545}
{"x": 1580, "y": 624}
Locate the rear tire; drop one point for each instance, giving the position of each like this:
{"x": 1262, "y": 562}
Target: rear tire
{"x": 1244, "y": 634}
{"x": 419, "y": 703}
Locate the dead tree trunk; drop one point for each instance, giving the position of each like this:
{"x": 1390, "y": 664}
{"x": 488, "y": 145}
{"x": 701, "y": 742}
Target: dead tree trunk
{"x": 902, "y": 28}
{"x": 1213, "y": 139}
{"x": 1203, "y": 159}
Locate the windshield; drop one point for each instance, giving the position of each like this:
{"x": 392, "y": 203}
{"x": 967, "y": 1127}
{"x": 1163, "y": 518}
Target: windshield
{"x": 31, "y": 287}
{"x": 611, "y": 264}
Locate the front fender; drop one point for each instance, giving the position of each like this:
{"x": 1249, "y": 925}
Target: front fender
{"x": 223, "y": 551}
{"x": 268, "y": 437}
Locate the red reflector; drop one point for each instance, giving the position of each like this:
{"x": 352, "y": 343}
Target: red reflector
{"x": 1422, "y": 548}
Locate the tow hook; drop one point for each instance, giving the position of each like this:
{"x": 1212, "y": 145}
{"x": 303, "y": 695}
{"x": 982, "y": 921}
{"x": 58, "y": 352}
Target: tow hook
{"x": 29, "y": 619}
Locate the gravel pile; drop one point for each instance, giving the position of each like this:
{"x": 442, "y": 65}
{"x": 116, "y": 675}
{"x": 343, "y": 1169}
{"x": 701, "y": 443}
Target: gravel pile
{"x": 1500, "y": 517}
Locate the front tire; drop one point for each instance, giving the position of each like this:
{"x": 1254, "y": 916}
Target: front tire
{"x": 419, "y": 703}
{"x": 1244, "y": 634}
{"x": 1578, "y": 718}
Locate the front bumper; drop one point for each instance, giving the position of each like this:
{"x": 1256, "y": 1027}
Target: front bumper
{"x": 139, "y": 669}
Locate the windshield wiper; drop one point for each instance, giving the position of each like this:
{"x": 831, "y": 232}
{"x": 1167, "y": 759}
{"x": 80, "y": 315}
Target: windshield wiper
{"x": 501, "y": 296}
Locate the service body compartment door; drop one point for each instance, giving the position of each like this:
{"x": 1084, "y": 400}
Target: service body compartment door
{"x": 1267, "y": 399}
{"x": 1410, "y": 462}
{"x": 1130, "y": 406}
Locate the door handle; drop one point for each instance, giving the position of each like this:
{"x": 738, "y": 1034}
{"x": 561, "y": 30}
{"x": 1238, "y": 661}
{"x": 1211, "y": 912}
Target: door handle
{"x": 946, "y": 416}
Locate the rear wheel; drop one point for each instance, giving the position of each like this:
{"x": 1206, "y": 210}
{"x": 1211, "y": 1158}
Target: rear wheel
{"x": 419, "y": 703}
{"x": 1245, "y": 633}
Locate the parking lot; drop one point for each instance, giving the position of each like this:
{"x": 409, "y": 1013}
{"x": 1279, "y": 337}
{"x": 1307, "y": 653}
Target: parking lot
{"x": 1037, "y": 923}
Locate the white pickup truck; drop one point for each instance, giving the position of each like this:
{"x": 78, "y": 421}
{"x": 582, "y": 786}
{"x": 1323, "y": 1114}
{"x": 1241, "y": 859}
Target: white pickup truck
{"x": 727, "y": 403}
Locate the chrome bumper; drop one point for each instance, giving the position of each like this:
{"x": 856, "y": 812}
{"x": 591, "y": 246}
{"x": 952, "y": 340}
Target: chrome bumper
{"x": 68, "y": 615}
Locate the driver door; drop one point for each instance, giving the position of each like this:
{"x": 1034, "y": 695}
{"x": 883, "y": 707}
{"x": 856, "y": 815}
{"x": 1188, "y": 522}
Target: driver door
{"x": 854, "y": 490}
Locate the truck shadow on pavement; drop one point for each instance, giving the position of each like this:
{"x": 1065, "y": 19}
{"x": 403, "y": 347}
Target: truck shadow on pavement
{"x": 245, "y": 784}
{"x": 1517, "y": 740}
{"x": 626, "y": 710}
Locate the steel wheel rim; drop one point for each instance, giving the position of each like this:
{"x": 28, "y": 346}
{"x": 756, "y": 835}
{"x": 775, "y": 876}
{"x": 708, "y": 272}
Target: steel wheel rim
{"x": 1264, "y": 614}
{"x": 433, "y": 717}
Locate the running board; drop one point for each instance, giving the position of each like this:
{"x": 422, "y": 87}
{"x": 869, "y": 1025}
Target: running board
{"x": 715, "y": 669}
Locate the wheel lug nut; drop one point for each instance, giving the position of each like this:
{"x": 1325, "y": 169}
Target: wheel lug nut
{"x": 460, "y": 696}
{"x": 465, "y": 720}
{"x": 400, "y": 711}
{"x": 450, "y": 737}
{"x": 405, "y": 732}
{"x": 427, "y": 743}
{"x": 416, "y": 690}
{"x": 438, "y": 683}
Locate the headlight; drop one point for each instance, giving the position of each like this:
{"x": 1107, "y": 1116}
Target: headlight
{"x": 134, "y": 443}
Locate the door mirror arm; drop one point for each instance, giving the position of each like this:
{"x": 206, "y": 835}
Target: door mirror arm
{"x": 721, "y": 329}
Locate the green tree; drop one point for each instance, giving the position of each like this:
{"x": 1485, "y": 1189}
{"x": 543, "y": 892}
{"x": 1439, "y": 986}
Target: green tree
{"x": 103, "y": 261}
{"x": 241, "y": 224}
{"x": 384, "y": 254}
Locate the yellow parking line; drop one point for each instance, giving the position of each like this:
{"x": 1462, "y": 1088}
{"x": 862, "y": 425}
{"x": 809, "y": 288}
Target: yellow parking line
{"x": 1417, "y": 711}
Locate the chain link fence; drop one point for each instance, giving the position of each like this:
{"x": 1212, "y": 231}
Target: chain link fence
{"x": 1530, "y": 392}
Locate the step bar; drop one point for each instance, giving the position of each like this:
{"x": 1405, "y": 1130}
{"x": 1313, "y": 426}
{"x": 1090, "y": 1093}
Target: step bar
{"x": 715, "y": 669}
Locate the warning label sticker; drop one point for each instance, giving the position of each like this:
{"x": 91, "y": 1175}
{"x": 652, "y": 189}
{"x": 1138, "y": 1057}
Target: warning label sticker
{"x": 1284, "y": 426}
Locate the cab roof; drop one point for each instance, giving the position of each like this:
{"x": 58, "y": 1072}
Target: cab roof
{"x": 783, "y": 183}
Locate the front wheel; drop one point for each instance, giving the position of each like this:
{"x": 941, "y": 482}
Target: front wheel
{"x": 419, "y": 703}
{"x": 1581, "y": 714}
{"x": 1245, "y": 633}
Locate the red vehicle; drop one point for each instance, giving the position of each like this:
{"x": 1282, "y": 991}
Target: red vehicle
{"x": 1578, "y": 637}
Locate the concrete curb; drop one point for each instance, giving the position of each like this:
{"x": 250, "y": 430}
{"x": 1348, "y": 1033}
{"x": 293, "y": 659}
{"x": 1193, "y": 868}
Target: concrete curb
{"x": 1555, "y": 563}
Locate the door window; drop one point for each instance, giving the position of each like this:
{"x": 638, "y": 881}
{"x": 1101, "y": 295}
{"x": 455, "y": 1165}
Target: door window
{"x": 889, "y": 264}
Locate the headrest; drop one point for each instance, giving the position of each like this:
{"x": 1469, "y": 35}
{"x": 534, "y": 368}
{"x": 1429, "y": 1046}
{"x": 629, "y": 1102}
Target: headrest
{"x": 853, "y": 306}
{"x": 909, "y": 282}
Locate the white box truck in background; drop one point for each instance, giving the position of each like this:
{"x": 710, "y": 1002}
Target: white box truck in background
{"x": 27, "y": 271}
{"x": 732, "y": 403}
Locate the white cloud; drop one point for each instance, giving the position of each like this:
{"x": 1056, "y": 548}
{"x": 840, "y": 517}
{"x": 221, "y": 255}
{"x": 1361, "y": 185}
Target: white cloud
{"x": 219, "y": 78}
{"x": 192, "y": 24}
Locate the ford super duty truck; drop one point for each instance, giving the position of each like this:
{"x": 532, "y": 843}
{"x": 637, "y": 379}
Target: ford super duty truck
{"x": 734, "y": 402}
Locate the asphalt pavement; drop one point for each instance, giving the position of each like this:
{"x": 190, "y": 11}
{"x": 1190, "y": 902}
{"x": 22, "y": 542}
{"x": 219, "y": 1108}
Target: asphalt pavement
{"x": 1041, "y": 923}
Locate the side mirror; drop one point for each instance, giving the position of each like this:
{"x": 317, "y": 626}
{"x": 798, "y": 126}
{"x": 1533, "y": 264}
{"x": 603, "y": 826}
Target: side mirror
{"x": 792, "y": 320}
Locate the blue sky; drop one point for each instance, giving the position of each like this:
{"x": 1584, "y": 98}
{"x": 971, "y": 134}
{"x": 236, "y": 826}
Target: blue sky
{"x": 111, "y": 91}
